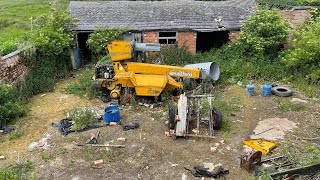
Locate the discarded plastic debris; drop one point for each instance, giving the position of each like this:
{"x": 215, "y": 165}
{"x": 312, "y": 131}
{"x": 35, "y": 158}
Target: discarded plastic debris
{"x": 260, "y": 145}
{"x": 121, "y": 139}
{"x": 264, "y": 131}
{"x": 208, "y": 170}
{"x": 6, "y": 129}
{"x": 133, "y": 125}
{"x": 94, "y": 138}
{"x": 32, "y": 146}
{"x": 98, "y": 162}
{"x": 2, "y": 158}
{"x": 64, "y": 126}
{"x": 103, "y": 145}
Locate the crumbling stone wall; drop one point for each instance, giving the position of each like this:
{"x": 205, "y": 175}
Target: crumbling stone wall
{"x": 12, "y": 69}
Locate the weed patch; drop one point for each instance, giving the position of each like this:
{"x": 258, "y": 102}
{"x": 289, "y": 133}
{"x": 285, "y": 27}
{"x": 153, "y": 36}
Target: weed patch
{"x": 313, "y": 157}
{"x": 21, "y": 169}
{"x": 46, "y": 156}
{"x": 285, "y": 105}
{"x": 82, "y": 116}
{"x": 83, "y": 86}
{"x": 227, "y": 107}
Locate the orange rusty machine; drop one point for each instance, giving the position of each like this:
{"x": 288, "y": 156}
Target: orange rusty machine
{"x": 146, "y": 79}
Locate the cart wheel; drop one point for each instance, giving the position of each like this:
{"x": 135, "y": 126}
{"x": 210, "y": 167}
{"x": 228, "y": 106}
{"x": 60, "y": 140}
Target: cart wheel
{"x": 174, "y": 137}
{"x": 216, "y": 118}
{"x": 172, "y": 116}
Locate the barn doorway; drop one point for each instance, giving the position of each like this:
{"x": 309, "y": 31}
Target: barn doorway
{"x": 82, "y": 38}
{"x": 209, "y": 40}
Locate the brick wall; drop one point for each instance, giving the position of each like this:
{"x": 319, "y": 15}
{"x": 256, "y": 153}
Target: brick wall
{"x": 184, "y": 39}
{"x": 188, "y": 39}
{"x": 295, "y": 18}
{"x": 233, "y": 35}
{"x": 150, "y": 37}
{"x": 11, "y": 68}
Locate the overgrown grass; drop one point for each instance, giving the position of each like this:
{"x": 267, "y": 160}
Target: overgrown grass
{"x": 21, "y": 169}
{"x": 15, "y": 19}
{"x": 285, "y": 105}
{"x": 227, "y": 107}
{"x": 46, "y": 156}
{"x": 313, "y": 157}
{"x": 281, "y": 2}
{"x": 83, "y": 86}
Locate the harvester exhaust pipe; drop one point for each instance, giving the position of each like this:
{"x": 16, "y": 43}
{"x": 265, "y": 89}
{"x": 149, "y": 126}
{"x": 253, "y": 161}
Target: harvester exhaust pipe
{"x": 208, "y": 70}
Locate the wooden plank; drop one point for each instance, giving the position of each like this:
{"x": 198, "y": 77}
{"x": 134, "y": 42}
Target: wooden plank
{"x": 200, "y": 96}
{"x": 198, "y": 114}
{"x": 200, "y": 136}
{"x": 210, "y": 115}
{"x": 181, "y": 127}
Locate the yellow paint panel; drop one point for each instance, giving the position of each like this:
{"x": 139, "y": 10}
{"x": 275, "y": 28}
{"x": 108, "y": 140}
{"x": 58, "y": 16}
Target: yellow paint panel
{"x": 151, "y": 80}
{"x": 260, "y": 145}
{"x": 120, "y": 50}
{"x": 150, "y": 85}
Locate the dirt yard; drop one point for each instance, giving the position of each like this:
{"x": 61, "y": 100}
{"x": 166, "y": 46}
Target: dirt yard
{"x": 149, "y": 154}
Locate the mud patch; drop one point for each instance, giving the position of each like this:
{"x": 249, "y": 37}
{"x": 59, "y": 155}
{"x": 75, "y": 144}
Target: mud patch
{"x": 273, "y": 128}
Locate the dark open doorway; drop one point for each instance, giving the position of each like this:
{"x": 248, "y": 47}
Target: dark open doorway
{"x": 209, "y": 40}
{"x": 84, "y": 49}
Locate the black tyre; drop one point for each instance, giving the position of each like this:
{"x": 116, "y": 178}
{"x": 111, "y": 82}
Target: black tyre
{"x": 282, "y": 91}
{"x": 172, "y": 116}
{"x": 217, "y": 118}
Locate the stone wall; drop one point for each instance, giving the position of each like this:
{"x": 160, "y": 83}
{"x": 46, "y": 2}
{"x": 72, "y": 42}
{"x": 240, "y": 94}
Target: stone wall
{"x": 11, "y": 68}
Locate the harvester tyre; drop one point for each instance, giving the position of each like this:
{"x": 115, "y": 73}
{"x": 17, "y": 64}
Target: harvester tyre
{"x": 217, "y": 118}
{"x": 172, "y": 117}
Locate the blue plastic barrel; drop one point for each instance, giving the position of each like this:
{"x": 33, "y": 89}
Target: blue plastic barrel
{"x": 76, "y": 52}
{"x": 112, "y": 114}
{"x": 266, "y": 89}
{"x": 250, "y": 89}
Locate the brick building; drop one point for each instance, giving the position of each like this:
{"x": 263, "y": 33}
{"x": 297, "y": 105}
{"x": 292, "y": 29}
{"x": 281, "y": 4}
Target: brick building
{"x": 199, "y": 25}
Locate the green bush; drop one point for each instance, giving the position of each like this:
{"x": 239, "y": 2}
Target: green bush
{"x": 264, "y": 32}
{"x": 309, "y": 2}
{"x": 83, "y": 117}
{"x": 100, "y": 37}
{"x": 174, "y": 55}
{"x": 254, "y": 54}
{"x": 49, "y": 58}
{"x": 10, "y": 107}
{"x": 303, "y": 58}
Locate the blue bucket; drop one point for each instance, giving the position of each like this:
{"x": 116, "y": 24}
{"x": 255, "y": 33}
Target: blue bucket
{"x": 112, "y": 114}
